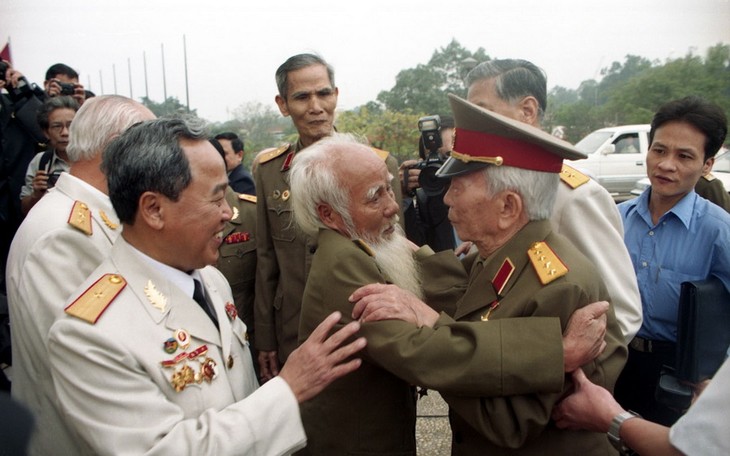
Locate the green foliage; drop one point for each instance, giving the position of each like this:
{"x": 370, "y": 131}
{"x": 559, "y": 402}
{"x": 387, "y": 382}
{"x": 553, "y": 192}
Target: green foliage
{"x": 169, "y": 107}
{"x": 424, "y": 88}
{"x": 630, "y": 92}
{"x": 396, "y": 132}
{"x": 259, "y": 126}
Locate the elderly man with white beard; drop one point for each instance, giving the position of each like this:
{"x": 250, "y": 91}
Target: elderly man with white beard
{"x": 341, "y": 196}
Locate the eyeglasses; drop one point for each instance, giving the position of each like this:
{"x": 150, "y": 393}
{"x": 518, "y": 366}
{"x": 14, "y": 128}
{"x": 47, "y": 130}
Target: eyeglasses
{"x": 58, "y": 127}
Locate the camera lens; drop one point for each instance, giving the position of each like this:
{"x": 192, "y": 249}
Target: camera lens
{"x": 431, "y": 185}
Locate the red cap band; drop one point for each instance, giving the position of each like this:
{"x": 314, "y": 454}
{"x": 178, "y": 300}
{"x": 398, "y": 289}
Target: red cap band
{"x": 520, "y": 154}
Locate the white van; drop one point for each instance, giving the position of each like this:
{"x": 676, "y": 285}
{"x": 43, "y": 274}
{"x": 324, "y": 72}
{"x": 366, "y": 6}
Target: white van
{"x": 616, "y": 157}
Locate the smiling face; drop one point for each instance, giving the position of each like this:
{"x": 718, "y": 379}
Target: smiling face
{"x": 194, "y": 223}
{"x": 311, "y": 101}
{"x": 675, "y": 162}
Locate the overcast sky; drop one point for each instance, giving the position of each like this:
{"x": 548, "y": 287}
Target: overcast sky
{"x": 235, "y": 46}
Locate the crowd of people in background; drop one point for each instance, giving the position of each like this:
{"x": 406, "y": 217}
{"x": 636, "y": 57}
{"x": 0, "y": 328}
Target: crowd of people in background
{"x": 157, "y": 296}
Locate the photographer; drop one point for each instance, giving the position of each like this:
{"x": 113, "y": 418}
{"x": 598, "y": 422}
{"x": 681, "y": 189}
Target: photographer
{"x": 54, "y": 118}
{"x": 424, "y": 211}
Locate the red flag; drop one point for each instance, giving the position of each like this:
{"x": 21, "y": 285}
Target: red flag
{"x": 5, "y": 53}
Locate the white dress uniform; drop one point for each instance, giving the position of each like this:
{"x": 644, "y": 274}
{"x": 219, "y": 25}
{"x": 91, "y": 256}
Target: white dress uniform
{"x": 153, "y": 375}
{"x": 585, "y": 213}
{"x": 66, "y": 235}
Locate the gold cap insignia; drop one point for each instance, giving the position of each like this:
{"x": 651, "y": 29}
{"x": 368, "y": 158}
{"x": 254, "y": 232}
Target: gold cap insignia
{"x": 95, "y": 300}
{"x": 546, "y": 263}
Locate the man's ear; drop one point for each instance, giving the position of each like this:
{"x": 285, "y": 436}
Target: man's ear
{"x": 329, "y": 217}
{"x": 281, "y": 103}
{"x": 510, "y": 209}
{"x": 530, "y": 110}
{"x": 707, "y": 167}
{"x": 151, "y": 210}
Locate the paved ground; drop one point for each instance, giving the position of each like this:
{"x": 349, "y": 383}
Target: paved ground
{"x": 433, "y": 435}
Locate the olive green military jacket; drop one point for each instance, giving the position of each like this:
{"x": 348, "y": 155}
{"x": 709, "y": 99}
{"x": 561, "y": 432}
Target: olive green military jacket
{"x": 284, "y": 252}
{"x": 372, "y": 411}
{"x": 711, "y": 188}
{"x": 237, "y": 260}
{"x": 521, "y": 424}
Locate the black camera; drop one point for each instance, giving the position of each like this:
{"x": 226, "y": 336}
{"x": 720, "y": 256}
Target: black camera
{"x": 3, "y": 70}
{"x": 67, "y": 89}
{"x": 52, "y": 178}
{"x": 430, "y": 127}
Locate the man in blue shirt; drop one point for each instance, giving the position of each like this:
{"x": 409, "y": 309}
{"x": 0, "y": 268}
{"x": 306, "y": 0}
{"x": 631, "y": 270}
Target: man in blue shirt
{"x": 673, "y": 236}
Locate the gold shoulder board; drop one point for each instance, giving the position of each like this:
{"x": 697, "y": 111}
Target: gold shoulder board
{"x": 245, "y": 197}
{"x": 383, "y": 154}
{"x": 709, "y": 177}
{"x": 364, "y": 247}
{"x": 80, "y": 217}
{"x": 270, "y": 154}
{"x": 94, "y": 301}
{"x": 546, "y": 263}
{"x": 573, "y": 177}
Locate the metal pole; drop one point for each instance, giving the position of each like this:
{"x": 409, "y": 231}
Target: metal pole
{"x": 146, "y": 87}
{"x": 101, "y": 83}
{"x": 114, "y": 73}
{"x": 185, "y": 55}
{"x": 129, "y": 70}
{"x": 164, "y": 78}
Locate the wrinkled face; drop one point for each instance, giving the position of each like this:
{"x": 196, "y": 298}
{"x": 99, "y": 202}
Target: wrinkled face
{"x": 484, "y": 93}
{"x": 194, "y": 223}
{"x": 311, "y": 101}
{"x": 59, "y": 121}
{"x": 470, "y": 207}
{"x": 373, "y": 208}
{"x": 675, "y": 160}
{"x": 232, "y": 159}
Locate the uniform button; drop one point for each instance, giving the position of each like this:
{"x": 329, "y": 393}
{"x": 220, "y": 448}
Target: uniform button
{"x": 651, "y": 233}
{"x": 312, "y": 250}
{"x": 644, "y": 264}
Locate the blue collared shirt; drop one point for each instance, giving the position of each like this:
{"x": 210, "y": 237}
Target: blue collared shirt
{"x": 690, "y": 242}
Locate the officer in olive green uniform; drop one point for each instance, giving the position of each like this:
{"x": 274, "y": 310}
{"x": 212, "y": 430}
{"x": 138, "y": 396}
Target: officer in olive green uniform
{"x": 237, "y": 260}
{"x": 711, "y": 188}
{"x": 284, "y": 252}
{"x": 533, "y": 273}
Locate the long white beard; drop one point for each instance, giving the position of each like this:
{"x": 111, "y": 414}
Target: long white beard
{"x": 395, "y": 258}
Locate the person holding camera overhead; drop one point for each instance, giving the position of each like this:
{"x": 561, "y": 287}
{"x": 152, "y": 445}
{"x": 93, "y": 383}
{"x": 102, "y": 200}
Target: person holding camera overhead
{"x": 424, "y": 212}
{"x": 54, "y": 118}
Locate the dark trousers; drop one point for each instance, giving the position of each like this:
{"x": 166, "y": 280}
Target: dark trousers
{"x": 636, "y": 386}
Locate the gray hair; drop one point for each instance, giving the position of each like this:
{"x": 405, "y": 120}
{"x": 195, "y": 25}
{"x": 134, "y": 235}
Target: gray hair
{"x": 50, "y": 105}
{"x": 100, "y": 120}
{"x": 537, "y": 188}
{"x": 313, "y": 181}
{"x": 298, "y": 62}
{"x": 515, "y": 79}
{"x": 149, "y": 157}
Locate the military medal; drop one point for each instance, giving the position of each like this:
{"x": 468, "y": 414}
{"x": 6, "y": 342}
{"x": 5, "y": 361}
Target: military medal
{"x": 182, "y": 378}
{"x": 235, "y": 238}
{"x": 492, "y": 306}
{"x": 285, "y": 195}
{"x": 209, "y": 370}
{"x": 200, "y": 351}
{"x": 276, "y": 194}
{"x": 231, "y": 311}
{"x": 170, "y": 345}
{"x": 182, "y": 337}
{"x": 173, "y": 362}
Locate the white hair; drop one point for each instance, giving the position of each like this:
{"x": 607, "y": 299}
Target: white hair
{"x": 314, "y": 181}
{"x": 100, "y": 120}
{"x": 537, "y": 188}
